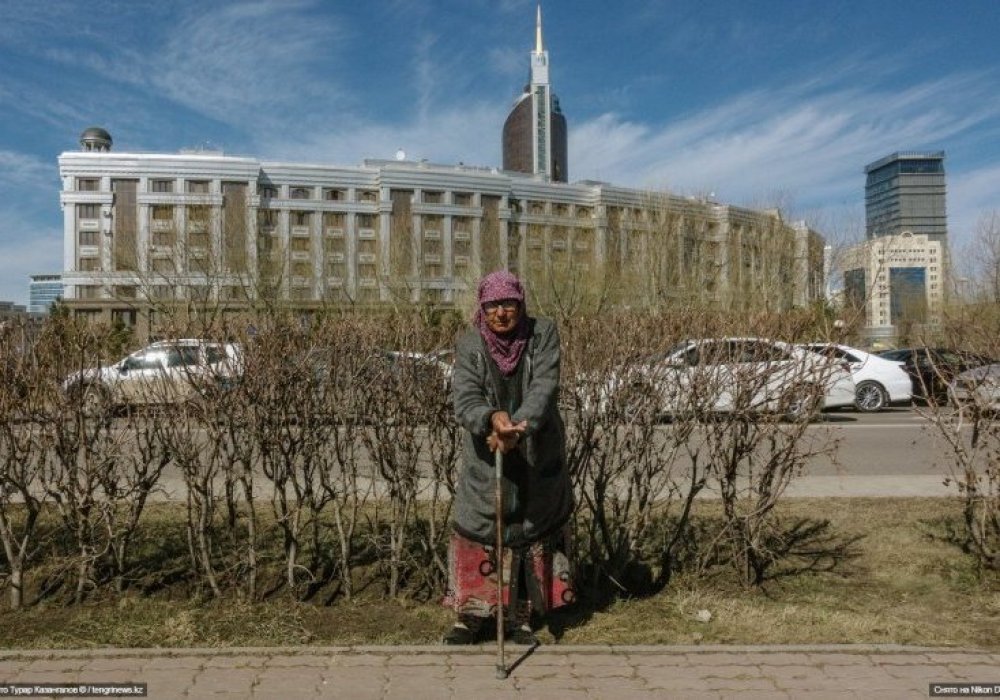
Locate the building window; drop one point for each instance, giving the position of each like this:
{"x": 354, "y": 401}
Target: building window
{"x": 197, "y": 214}
{"x": 268, "y": 192}
{"x": 431, "y": 197}
{"x": 333, "y": 195}
{"x": 300, "y": 218}
{"x": 87, "y": 184}
{"x": 267, "y": 218}
{"x": 88, "y": 211}
{"x": 299, "y": 193}
{"x": 197, "y": 186}
{"x": 162, "y": 212}
{"x": 164, "y": 266}
{"x": 462, "y": 199}
{"x": 161, "y": 291}
{"x": 88, "y": 264}
{"x": 88, "y": 291}
{"x": 164, "y": 238}
{"x": 367, "y": 196}
{"x": 161, "y": 186}
{"x": 87, "y": 237}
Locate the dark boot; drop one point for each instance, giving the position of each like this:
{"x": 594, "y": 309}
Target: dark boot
{"x": 521, "y": 634}
{"x": 465, "y": 631}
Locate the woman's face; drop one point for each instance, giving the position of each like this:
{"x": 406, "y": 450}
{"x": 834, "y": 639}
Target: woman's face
{"x": 502, "y": 316}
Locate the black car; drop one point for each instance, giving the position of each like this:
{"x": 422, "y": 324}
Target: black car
{"x": 931, "y": 369}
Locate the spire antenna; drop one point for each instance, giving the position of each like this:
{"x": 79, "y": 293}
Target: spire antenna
{"x": 538, "y": 30}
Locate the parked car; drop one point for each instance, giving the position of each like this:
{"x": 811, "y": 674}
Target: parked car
{"x": 166, "y": 372}
{"x": 730, "y": 374}
{"x": 878, "y": 382}
{"x": 978, "y": 388}
{"x": 932, "y": 369}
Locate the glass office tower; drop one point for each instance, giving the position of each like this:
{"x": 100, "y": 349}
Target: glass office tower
{"x": 906, "y": 192}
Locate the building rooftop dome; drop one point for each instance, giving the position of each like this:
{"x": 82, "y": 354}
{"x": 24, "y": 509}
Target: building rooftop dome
{"x": 95, "y": 138}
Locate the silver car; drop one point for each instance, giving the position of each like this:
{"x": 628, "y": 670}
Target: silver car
{"x": 724, "y": 375}
{"x": 166, "y": 372}
{"x": 978, "y": 388}
{"x": 878, "y": 382}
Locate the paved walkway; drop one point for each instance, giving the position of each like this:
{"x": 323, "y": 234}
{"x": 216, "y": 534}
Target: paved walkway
{"x": 554, "y": 671}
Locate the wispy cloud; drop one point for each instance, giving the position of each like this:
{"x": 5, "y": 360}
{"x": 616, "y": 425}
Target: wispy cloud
{"x": 812, "y": 143}
{"x": 245, "y": 61}
{"x": 26, "y": 172}
{"x": 26, "y": 250}
{"x": 468, "y": 134}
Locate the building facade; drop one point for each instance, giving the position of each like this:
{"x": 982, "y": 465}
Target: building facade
{"x": 43, "y": 291}
{"x": 901, "y": 272}
{"x": 906, "y": 192}
{"x": 534, "y": 134}
{"x": 897, "y": 281}
{"x": 143, "y": 230}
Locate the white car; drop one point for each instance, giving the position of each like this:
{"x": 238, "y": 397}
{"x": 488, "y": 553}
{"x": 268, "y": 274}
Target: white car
{"x": 878, "y": 382}
{"x": 724, "y": 375}
{"x": 165, "y": 372}
{"x": 978, "y": 387}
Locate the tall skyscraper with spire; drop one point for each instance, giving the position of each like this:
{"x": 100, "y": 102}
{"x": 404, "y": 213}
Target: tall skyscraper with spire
{"x": 534, "y": 135}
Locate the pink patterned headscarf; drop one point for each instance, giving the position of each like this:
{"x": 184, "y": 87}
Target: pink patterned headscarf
{"x": 505, "y": 349}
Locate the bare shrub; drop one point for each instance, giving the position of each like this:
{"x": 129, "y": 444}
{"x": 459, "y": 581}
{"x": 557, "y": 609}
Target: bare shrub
{"x": 657, "y": 419}
{"x": 85, "y": 471}
{"x": 967, "y": 423}
{"x": 24, "y": 393}
{"x": 288, "y": 423}
{"x": 627, "y": 467}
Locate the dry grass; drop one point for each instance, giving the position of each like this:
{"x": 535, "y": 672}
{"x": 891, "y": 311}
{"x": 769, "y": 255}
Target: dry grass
{"x": 908, "y": 583}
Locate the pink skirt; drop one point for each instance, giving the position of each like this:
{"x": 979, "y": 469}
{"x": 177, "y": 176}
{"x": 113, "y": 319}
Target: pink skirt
{"x": 472, "y": 574}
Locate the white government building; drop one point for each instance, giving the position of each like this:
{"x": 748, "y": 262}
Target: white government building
{"x": 143, "y": 229}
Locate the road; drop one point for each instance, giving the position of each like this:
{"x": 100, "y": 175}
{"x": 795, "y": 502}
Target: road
{"x": 894, "y": 442}
{"x": 894, "y": 452}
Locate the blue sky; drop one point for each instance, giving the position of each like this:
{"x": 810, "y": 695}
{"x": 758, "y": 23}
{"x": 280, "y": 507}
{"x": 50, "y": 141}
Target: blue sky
{"x": 763, "y": 102}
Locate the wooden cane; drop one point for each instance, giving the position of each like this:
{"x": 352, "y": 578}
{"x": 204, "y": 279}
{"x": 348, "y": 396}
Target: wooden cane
{"x": 501, "y": 664}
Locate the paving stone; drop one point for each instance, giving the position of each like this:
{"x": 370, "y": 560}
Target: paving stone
{"x": 963, "y": 658}
{"x": 738, "y": 685}
{"x": 639, "y": 660}
{"x": 177, "y": 662}
{"x": 285, "y": 691}
{"x": 360, "y": 660}
{"x": 772, "y": 694}
{"x": 554, "y": 693}
{"x": 607, "y": 687}
{"x": 619, "y": 670}
{"x": 716, "y": 658}
{"x": 59, "y": 665}
{"x": 777, "y": 659}
{"x": 976, "y": 673}
{"x": 356, "y": 687}
{"x": 845, "y": 659}
{"x": 927, "y": 671}
{"x": 309, "y": 660}
{"x": 229, "y": 679}
{"x": 728, "y": 671}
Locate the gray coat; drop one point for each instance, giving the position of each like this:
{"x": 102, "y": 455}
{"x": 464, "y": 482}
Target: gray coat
{"x": 542, "y": 494}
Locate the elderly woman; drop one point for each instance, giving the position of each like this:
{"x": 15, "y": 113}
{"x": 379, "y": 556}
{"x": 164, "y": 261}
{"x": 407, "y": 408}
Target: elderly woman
{"x": 506, "y": 387}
